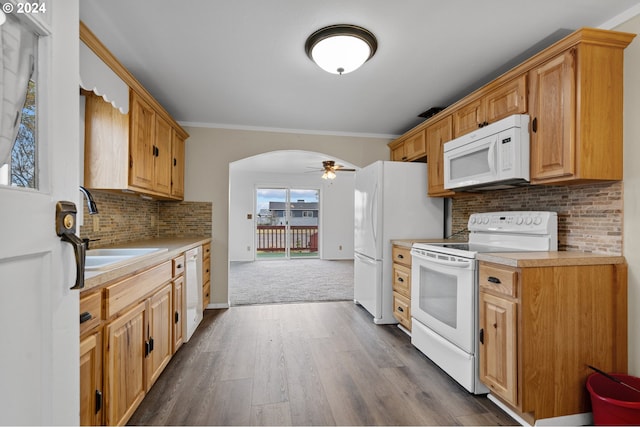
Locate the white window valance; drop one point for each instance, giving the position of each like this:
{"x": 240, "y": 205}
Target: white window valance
{"x": 97, "y": 77}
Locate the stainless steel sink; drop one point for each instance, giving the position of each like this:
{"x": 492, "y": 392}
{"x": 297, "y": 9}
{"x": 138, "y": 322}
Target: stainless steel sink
{"x": 100, "y": 259}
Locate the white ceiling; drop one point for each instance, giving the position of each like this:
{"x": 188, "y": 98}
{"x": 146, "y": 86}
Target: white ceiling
{"x": 242, "y": 64}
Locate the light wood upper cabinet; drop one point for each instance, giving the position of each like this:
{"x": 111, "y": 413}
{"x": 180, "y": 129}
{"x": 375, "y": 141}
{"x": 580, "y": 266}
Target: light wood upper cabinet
{"x": 437, "y": 134}
{"x": 505, "y": 100}
{"x": 141, "y": 151}
{"x": 141, "y": 146}
{"x": 409, "y": 148}
{"x": 576, "y": 114}
{"x": 177, "y": 162}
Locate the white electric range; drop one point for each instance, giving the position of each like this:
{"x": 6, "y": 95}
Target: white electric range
{"x": 444, "y": 286}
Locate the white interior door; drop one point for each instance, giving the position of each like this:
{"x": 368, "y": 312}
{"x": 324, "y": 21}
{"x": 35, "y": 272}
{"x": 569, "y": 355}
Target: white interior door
{"x": 39, "y": 361}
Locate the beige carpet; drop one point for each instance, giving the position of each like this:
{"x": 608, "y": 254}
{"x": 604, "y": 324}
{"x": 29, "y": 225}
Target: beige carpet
{"x": 297, "y": 280}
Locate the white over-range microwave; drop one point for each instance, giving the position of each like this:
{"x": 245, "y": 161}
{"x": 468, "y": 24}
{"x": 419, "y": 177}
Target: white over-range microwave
{"x": 493, "y": 157}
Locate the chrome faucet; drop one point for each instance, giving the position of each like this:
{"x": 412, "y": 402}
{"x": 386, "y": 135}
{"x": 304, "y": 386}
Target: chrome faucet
{"x": 91, "y": 205}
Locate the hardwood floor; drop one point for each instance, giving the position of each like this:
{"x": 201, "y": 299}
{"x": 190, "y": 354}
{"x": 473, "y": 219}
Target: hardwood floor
{"x": 306, "y": 364}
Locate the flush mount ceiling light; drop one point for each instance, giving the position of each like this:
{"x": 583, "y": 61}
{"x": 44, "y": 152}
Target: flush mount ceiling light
{"x": 341, "y": 49}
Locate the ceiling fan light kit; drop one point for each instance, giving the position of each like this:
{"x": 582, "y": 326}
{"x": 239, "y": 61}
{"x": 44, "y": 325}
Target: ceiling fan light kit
{"x": 330, "y": 168}
{"x": 341, "y": 49}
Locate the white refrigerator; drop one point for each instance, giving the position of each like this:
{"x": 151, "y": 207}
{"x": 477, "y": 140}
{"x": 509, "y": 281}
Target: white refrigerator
{"x": 391, "y": 202}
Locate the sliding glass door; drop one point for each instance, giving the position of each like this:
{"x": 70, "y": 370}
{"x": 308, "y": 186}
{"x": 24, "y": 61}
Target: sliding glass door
{"x": 287, "y": 223}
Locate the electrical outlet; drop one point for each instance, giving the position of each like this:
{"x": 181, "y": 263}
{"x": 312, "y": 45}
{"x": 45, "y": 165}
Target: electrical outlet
{"x": 340, "y": 247}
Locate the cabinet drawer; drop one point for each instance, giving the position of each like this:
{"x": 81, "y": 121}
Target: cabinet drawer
{"x": 178, "y": 265}
{"x": 402, "y": 310}
{"x": 401, "y": 255}
{"x": 135, "y": 288}
{"x": 402, "y": 280}
{"x": 91, "y": 304}
{"x": 206, "y": 295}
{"x": 501, "y": 280}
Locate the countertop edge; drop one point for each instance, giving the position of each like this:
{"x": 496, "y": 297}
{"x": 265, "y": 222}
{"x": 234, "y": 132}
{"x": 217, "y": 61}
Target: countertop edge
{"x": 175, "y": 246}
{"x": 550, "y": 259}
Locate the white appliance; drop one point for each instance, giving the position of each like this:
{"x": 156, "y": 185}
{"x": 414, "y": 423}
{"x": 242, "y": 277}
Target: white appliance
{"x": 444, "y": 287}
{"x": 193, "y": 288}
{"x": 493, "y": 157}
{"x": 391, "y": 202}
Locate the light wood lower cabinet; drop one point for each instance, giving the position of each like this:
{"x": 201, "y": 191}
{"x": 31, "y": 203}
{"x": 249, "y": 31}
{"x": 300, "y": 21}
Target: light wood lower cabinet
{"x": 206, "y": 275}
{"x": 541, "y": 326}
{"x": 402, "y": 285}
{"x": 160, "y": 343}
{"x": 126, "y": 344}
{"x": 91, "y": 379}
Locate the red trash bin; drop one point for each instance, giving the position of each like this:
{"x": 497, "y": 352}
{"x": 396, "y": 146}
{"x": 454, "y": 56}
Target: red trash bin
{"x": 612, "y": 403}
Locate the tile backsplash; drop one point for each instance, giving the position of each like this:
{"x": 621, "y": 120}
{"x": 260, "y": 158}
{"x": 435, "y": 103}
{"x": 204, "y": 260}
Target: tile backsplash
{"x": 590, "y": 216}
{"x": 124, "y": 218}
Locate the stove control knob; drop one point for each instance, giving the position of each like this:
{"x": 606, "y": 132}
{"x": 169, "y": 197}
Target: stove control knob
{"x": 519, "y": 220}
{"x": 528, "y": 220}
{"x": 472, "y": 219}
{"x": 485, "y": 220}
{"x": 537, "y": 220}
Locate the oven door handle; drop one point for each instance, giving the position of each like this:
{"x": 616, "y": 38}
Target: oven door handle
{"x": 458, "y": 264}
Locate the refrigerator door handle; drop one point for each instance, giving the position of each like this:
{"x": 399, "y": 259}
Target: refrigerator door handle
{"x": 374, "y": 211}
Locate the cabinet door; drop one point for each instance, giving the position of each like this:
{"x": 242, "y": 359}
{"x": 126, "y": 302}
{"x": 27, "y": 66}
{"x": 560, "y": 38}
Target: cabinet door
{"x": 141, "y": 151}
{"x": 178, "y": 312}
{"x": 498, "y": 352}
{"x": 415, "y": 146}
{"x": 467, "y": 118}
{"x": 553, "y": 112}
{"x": 437, "y": 134}
{"x": 160, "y": 333}
{"x": 163, "y": 158}
{"x": 124, "y": 365}
{"x": 177, "y": 171}
{"x": 508, "y": 99}
{"x": 91, "y": 380}
{"x": 397, "y": 153}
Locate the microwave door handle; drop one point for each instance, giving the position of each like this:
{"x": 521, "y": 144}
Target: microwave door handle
{"x": 492, "y": 156}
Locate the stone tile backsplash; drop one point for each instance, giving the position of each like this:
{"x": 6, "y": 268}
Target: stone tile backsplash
{"x": 124, "y": 218}
{"x": 590, "y": 216}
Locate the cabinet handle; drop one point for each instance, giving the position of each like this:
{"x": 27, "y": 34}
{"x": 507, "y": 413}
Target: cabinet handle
{"x": 150, "y": 345}
{"x": 493, "y": 280}
{"x": 98, "y": 401}
{"x": 534, "y": 125}
{"x": 175, "y": 162}
{"x": 400, "y": 309}
{"x": 400, "y": 256}
{"x": 481, "y": 336}
{"x": 146, "y": 349}
{"x": 84, "y": 317}
{"x": 400, "y": 279}
{"x": 179, "y": 266}
{"x": 177, "y": 317}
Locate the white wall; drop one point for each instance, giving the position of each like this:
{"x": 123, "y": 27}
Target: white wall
{"x": 209, "y": 152}
{"x": 336, "y": 210}
{"x": 631, "y": 243}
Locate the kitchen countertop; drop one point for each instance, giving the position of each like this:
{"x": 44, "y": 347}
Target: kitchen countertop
{"x": 407, "y": 243}
{"x": 549, "y": 259}
{"x": 175, "y": 246}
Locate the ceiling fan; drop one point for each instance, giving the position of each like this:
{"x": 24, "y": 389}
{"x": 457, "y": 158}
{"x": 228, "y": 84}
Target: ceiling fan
{"x": 330, "y": 168}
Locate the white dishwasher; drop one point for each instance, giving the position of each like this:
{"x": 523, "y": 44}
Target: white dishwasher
{"x": 193, "y": 285}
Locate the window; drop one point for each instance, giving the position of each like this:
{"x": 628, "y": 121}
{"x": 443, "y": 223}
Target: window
{"x": 307, "y": 214}
{"x": 18, "y": 165}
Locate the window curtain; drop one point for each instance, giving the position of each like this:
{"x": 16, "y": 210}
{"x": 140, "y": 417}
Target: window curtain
{"x": 16, "y": 67}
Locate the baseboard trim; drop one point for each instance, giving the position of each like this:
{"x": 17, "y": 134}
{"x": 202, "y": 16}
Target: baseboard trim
{"x": 217, "y": 305}
{"x": 583, "y": 419}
